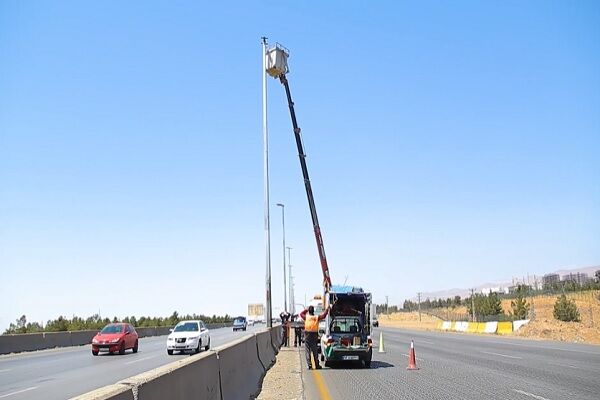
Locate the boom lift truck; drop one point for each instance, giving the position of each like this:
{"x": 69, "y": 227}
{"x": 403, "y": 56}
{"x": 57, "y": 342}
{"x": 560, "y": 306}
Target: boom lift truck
{"x": 346, "y": 335}
{"x": 277, "y": 68}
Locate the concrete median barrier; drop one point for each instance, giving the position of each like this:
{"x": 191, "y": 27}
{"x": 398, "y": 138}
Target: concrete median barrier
{"x": 191, "y": 378}
{"x": 195, "y": 377}
{"x": 19, "y": 343}
{"x": 472, "y": 327}
{"x": 505, "y": 328}
{"x": 80, "y": 338}
{"x": 112, "y": 392}
{"x": 146, "y": 331}
{"x": 266, "y": 352}
{"x": 481, "y": 327}
{"x": 519, "y": 323}
{"x": 491, "y": 327}
{"x": 461, "y": 326}
{"x": 240, "y": 369}
{"x": 49, "y": 340}
{"x": 277, "y": 337}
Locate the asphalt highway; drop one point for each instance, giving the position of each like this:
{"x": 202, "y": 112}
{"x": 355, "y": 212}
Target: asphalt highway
{"x": 66, "y": 372}
{"x": 462, "y": 366}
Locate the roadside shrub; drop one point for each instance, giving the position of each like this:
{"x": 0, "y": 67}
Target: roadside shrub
{"x": 566, "y": 310}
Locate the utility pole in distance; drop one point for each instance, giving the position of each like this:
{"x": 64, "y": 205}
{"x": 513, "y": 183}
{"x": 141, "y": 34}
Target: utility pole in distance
{"x": 386, "y": 305}
{"x": 419, "y": 296}
{"x": 472, "y": 305}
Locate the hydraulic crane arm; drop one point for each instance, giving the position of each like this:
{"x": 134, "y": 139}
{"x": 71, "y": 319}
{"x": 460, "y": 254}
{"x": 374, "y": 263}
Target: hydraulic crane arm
{"x": 309, "y": 194}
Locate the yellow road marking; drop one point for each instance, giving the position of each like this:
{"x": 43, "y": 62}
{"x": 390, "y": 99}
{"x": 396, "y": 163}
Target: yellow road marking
{"x": 323, "y": 392}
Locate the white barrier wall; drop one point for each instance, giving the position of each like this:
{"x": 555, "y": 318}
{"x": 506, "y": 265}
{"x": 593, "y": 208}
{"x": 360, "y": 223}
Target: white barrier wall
{"x": 446, "y": 325}
{"x": 519, "y": 323}
{"x": 491, "y": 327}
{"x": 461, "y": 326}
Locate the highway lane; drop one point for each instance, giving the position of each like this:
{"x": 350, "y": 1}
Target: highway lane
{"x": 461, "y": 366}
{"x": 67, "y": 372}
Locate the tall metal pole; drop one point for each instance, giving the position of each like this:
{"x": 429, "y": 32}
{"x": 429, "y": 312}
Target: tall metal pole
{"x": 284, "y": 277}
{"x": 292, "y": 297}
{"x": 291, "y": 294}
{"x": 269, "y": 310}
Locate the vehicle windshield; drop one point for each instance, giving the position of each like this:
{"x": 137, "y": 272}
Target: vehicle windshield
{"x": 112, "y": 329}
{"x": 345, "y": 325}
{"x": 239, "y": 321}
{"x": 187, "y": 327}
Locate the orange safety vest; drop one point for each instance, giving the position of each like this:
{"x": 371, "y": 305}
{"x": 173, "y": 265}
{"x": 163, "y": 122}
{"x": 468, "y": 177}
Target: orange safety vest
{"x": 311, "y": 323}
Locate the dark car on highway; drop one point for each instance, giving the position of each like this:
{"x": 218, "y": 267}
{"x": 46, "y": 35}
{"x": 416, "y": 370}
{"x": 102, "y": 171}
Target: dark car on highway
{"x": 240, "y": 323}
{"x": 116, "y": 337}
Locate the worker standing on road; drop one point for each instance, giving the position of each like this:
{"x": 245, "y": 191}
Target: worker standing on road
{"x": 311, "y": 333}
{"x": 285, "y": 317}
{"x": 297, "y": 332}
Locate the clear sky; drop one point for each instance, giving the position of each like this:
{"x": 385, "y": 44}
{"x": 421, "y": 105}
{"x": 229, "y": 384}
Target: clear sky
{"x": 449, "y": 144}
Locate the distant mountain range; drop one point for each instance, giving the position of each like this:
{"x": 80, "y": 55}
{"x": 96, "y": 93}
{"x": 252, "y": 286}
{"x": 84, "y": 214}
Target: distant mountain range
{"x": 531, "y": 279}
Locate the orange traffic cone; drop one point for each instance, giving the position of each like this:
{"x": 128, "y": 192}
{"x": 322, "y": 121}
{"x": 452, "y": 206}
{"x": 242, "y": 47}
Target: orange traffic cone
{"x": 412, "y": 361}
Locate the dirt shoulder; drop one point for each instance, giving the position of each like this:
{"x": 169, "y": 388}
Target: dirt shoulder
{"x": 542, "y": 327}
{"x": 284, "y": 378}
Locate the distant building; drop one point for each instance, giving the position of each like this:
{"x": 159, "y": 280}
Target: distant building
{"x": 498, "y": 289}
{"x": 550, "y": 280}
{"x": 579, "y": 278}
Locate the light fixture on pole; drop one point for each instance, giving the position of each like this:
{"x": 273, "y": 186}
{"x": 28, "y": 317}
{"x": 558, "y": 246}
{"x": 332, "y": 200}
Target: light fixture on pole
{"x": 283, "y": 235}
{"x": 269, "y": 311}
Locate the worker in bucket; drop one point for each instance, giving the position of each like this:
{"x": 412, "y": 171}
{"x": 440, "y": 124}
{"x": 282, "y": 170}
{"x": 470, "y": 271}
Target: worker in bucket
{"x": 311, "y": 333}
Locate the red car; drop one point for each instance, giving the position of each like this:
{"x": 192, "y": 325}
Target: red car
{"x": 115, "y": 337}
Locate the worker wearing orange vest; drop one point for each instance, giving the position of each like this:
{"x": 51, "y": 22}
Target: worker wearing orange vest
{"x": 311, "y": 333}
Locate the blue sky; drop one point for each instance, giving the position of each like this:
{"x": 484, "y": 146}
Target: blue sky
{"x": 448, "y": 144}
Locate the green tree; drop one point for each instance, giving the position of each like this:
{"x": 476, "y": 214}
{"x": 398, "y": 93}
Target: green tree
{"x": 520, "y": 307}
{"x": 566, "y": 310}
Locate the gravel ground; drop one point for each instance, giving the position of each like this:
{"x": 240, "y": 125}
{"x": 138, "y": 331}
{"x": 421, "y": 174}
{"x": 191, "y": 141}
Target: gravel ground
{"x": 284, "y": 379}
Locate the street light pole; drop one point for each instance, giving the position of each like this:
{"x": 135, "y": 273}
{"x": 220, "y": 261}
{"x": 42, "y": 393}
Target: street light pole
{"x": 266, "y": 185}
{"x": 291, "y": 294}
{"x": 284, "y": 277}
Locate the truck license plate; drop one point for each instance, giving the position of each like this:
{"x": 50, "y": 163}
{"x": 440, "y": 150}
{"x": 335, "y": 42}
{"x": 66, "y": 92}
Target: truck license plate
{"x": 350, "y": 358}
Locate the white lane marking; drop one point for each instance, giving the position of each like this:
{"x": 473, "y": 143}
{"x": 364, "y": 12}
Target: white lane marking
{"x": 19, "y": 391}
{"x": 502, "y": 355}
{"x": 564, "y": 365}
{"x": 138, "y": 360}
{"x": 425, "y": 341}
{"x": 535, "y": 396}
{"x": 4, "y": 370}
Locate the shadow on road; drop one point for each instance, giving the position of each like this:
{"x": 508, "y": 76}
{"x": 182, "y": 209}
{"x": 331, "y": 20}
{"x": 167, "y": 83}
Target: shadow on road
{"x": 359, "y": 365}
{"x": 380, "y": 364}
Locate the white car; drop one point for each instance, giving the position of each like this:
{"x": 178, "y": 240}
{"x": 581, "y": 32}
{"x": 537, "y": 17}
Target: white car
{"x": 188, "y": 335}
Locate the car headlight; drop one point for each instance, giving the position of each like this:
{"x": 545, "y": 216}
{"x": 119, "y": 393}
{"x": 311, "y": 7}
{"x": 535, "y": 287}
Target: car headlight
{"x": 94, "y": 340}
{"x": 170, "y": 339}
{"x": 192, "y": 338}
{"x": 115, "y": 340}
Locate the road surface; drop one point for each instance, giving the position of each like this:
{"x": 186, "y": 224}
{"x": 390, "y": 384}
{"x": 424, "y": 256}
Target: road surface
{"x": 461, "y": 366}
{"x": 67, "y": 372}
